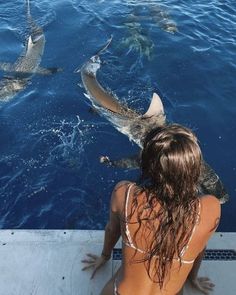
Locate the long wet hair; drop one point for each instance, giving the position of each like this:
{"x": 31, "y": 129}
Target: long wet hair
{"x": 170, "y": 166}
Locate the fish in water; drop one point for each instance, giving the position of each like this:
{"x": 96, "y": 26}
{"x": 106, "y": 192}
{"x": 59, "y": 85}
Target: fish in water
{"x": 135, "y": 125}
{"x": 151, "y": 11}
{"x": 17, "y": 75}
{"x": 137, "y": 39}
{"x": 162, "y": 18}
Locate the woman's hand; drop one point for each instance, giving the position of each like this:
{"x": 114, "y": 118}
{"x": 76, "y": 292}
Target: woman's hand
{"x": 95, "y": 262}
{"x": 202, "y": 284}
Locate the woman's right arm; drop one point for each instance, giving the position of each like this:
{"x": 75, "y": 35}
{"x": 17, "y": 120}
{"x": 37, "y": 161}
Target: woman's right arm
{"x": 210, "y": 216}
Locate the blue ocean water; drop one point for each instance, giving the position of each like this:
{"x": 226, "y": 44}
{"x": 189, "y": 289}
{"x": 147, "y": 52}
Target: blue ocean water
{"x": 51, "y": 141}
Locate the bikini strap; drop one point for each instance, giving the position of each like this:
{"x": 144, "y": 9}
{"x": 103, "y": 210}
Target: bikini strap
{"x": 193, "y": 230}
{"x": 127, "y": 232}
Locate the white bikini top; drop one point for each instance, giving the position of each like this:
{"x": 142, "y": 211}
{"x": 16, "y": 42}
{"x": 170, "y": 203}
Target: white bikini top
{"x": 130, "y": 243}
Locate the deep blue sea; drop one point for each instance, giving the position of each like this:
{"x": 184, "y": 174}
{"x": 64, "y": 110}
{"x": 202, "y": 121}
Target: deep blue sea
{"x": 51, "y": 139}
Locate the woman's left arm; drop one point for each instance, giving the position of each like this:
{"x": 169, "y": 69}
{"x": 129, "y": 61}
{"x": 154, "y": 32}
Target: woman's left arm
{"x": 112, "y": 234}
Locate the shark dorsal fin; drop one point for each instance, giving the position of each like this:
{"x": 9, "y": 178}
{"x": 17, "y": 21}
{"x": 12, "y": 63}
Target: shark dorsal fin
{"x": 30, "y": 43}
{"x": 155, "y": 107}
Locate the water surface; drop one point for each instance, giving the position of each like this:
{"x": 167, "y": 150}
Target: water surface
{"x": 50, "y": 140}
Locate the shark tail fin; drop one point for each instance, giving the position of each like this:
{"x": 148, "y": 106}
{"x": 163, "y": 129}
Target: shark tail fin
{"x": 155, "y": 108}
{"x": 28, "y": 8}
{"x": 105, "y": 46}
{"x": 95, "y": 59}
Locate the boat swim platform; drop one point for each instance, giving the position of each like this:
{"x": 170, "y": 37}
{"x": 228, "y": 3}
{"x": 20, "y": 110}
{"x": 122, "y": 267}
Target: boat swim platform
{"x": 48, "y": 262}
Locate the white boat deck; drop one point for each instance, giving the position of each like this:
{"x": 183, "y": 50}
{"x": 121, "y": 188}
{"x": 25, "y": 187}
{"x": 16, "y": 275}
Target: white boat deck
{"x": 48, "y": 262}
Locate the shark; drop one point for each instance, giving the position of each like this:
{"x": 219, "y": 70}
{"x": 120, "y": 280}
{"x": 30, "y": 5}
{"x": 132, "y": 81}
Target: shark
{"x": 135, "y": 125}
{"x": 18, "y": 75}
{"x": 126, "y": 120}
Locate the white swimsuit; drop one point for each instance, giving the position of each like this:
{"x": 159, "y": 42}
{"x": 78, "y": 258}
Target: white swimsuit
{"x": 130, "y": 243}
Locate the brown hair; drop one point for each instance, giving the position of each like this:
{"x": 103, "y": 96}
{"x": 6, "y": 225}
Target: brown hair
{"x": 170, "y": 165}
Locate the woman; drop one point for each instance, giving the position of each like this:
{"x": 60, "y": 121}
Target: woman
{"x": 163, "y": 223}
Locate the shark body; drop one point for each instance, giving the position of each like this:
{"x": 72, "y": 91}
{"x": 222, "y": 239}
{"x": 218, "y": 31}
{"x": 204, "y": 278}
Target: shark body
{"x": 126, "y": 120}
{"x": 17, "y": 75}
{"x": 136, "y": 126}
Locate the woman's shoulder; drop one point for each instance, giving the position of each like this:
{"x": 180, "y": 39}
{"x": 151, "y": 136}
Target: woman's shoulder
{"x": 123, "y": 184}
{"x": 121, "y": 188}
{"x": 210, "y": 211}
{"x": 210, "y": 201}
{"x": 119, "y": 194}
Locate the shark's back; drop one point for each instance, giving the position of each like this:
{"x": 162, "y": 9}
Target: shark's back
{"x": 19, "y": 73}
{"x": 30, "y": 59}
